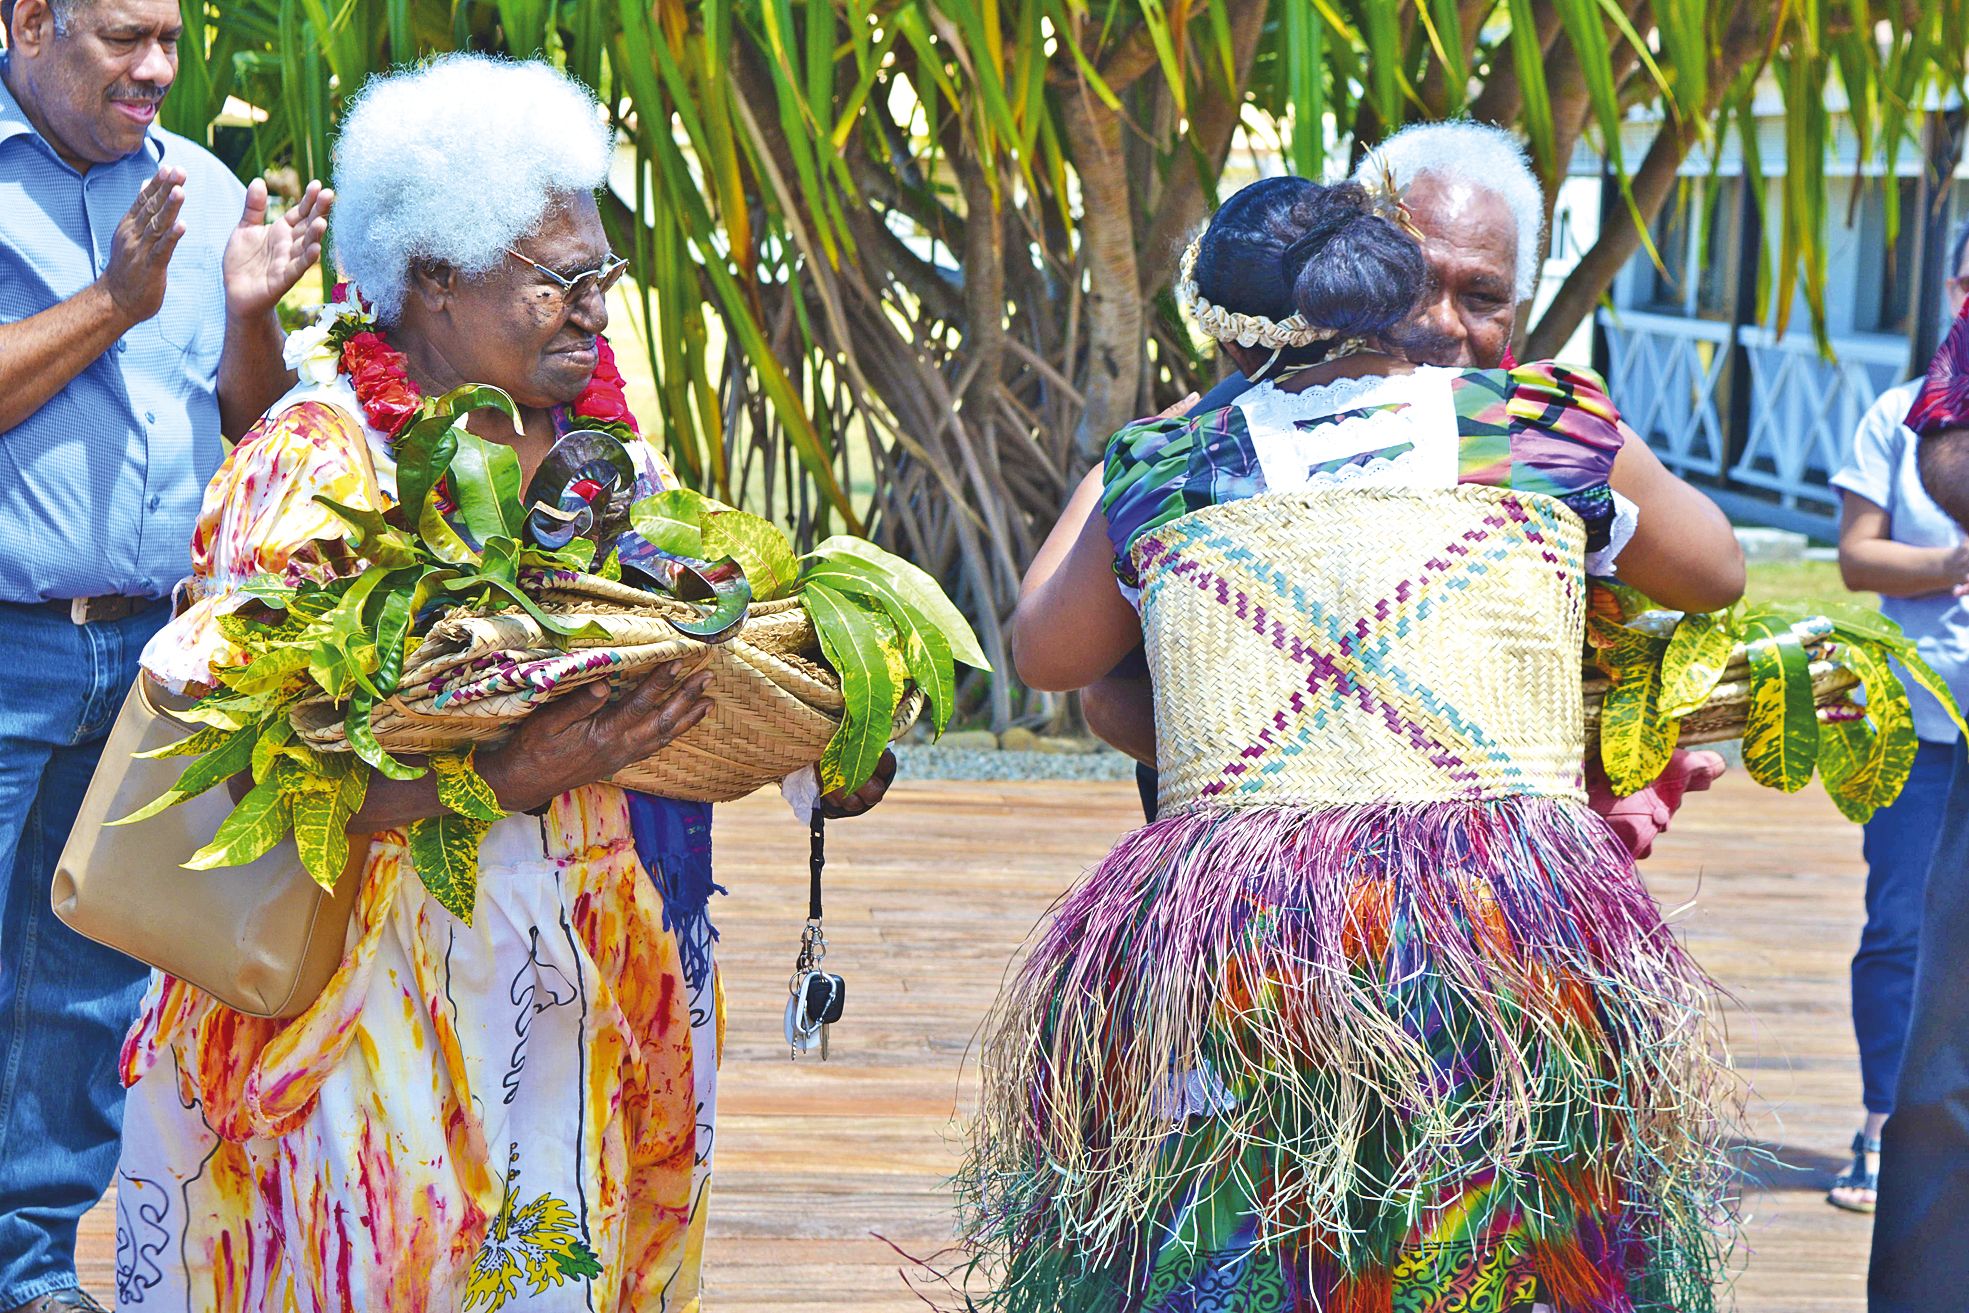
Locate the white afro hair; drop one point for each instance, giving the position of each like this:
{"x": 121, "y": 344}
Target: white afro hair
{"x": 453, "y": 161}
{"x": 1473, "y": 153}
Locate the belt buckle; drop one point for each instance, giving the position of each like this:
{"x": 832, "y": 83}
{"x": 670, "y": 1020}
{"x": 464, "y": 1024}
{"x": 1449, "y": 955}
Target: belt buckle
{"x": 78, "y": 610}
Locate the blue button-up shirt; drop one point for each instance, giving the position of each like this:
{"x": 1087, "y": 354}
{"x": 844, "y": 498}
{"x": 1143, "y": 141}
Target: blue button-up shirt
{"x": 100, "y": 487}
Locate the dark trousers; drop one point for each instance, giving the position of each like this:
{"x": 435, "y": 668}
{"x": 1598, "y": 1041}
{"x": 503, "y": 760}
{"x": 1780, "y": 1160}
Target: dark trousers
{"x": 65, "y": 1002}
{"x": 1900, "y": 846}
{"x": 1920, "y": 1254}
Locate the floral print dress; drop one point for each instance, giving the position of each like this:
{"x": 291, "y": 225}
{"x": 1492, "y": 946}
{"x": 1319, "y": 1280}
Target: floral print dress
{"x": 512, "y": 1114}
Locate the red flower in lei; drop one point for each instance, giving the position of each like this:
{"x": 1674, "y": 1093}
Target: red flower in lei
{"x": 603, "y": 399}
{"x": 390, "y": 400}
{"x": 382, "y": 384}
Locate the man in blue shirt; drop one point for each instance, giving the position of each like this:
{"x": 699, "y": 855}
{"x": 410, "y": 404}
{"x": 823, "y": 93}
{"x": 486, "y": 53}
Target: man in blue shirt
{"x": 138, "y": 282}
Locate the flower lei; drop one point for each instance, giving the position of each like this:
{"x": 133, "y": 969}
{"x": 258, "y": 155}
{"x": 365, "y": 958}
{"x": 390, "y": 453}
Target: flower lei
{"x": 344, "y": 340}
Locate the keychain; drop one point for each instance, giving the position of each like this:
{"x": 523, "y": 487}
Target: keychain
{"x": 815, "y": 996}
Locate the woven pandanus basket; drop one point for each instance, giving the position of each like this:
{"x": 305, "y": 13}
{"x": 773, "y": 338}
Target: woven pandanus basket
{"x": 473, "y": 679}
{"x": 1726, "y": 713}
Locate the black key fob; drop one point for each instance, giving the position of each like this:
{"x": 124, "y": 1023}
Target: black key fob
{"x": 826, "y": 995}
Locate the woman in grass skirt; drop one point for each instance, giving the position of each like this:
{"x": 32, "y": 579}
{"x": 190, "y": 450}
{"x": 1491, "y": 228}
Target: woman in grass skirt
{"x": 1378, "y": 1017}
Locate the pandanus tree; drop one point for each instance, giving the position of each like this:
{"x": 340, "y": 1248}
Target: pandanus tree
{"x": 904, "y": 264}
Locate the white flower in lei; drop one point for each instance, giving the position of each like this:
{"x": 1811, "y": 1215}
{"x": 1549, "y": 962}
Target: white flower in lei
{"x": 310, "y": 353}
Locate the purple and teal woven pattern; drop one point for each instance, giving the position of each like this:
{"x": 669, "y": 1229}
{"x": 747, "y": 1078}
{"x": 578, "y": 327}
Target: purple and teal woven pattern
{"x": 1388, "y": 646}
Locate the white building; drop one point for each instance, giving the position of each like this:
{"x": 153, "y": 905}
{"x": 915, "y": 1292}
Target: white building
{"x": 1759, "y": 420}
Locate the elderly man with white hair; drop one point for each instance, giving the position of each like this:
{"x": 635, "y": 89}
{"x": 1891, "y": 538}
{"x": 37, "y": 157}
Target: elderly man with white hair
{"x": 1468, "y": 190}
{"x": 519, "y": 1106}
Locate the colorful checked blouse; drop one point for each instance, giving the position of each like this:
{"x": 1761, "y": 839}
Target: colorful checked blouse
{"x": 1542, "y": 427}
{"x": 515, "y": 1113}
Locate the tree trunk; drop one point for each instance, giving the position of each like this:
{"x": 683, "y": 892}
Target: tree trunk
{"x": 1112, "y": 315}
{"x": 1503, "y": 98}
{"x": 1212, "y": 124}
{"x": 984, "y": 286}
{"x": 1653, "y": 182}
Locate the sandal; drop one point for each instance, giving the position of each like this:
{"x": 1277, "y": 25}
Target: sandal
{"x": 1858, "y": 1177}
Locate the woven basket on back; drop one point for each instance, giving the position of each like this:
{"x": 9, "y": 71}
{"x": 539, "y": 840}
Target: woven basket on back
{"x": 775, "y": 704}
{"x": 1726, "y": 713}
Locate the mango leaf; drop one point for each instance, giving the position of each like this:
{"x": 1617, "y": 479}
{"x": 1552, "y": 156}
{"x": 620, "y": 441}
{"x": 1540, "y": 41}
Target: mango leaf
{"x": 672, "y": 521}
{"x": 1864, "y": 763}
{"x": 391, "y": 621}
{"x": 852, "y": 642}
{"x": 441, "y": 540}
{"x": 1636, "y": 739}
{"x": 847, "y": 552}
{"x": 219, "y": 764}
{"x": 423, "y": 452}
{"x": 445, "y": 850}
{"x": 1781, "y": 741}
{"x": 254, "y": 826}
{"x": 760, "y": 547}
{"x": 501, "y": 573}
{"x": 376, "y": 539}
{"x": 462, "y": 789}
{"x": 924, "y": 649}
{"x": 1693, "y": 665}
{"x": 485, "y": 482}
{"x": 462, "y": 401}
{"x": 361, "y": 735}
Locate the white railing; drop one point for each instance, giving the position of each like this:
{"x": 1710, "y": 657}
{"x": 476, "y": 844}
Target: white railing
{"x": 1804, "y": 409}
{"x": 1665, "y": 372}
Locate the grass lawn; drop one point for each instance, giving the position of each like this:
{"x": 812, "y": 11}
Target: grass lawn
{"x": 1808, "y": 582}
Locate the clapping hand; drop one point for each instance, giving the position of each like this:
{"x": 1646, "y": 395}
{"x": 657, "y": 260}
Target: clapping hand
{"x": 140, "y": 250}
{"x": 264, "y": 260}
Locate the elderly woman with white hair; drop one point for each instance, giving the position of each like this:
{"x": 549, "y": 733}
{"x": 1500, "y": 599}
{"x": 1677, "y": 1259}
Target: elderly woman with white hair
{"x": 518, "y": 1110}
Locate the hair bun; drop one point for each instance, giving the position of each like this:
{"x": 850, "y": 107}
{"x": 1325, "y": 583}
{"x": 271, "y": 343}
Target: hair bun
{"x": 1352, "y": 270}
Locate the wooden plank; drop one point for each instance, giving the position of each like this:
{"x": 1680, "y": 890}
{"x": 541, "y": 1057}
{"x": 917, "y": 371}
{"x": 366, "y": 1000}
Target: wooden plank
{"x": 822, "y": 1167}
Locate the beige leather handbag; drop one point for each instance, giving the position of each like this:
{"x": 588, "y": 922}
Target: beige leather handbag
{"x": 262, "y": 939}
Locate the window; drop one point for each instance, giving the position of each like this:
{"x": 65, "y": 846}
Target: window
{"x": 1702, "y": 216}
{"x": 1668, "y": 281}
{"x": 1884, "y": 274}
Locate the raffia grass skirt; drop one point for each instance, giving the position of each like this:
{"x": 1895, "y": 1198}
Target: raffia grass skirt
{"x": 1422, "y": 1056}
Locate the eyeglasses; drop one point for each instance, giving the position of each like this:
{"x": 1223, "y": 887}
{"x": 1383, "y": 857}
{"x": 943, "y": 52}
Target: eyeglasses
{"x": 571, "y": 290}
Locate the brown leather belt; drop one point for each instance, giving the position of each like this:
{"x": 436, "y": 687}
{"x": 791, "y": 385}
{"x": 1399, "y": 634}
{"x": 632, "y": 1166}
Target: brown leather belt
{"x": 96, "y": 610}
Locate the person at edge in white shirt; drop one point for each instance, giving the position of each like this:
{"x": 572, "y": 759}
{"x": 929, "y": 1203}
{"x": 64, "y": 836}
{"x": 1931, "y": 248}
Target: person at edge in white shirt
{"x": 1895, "y": 541}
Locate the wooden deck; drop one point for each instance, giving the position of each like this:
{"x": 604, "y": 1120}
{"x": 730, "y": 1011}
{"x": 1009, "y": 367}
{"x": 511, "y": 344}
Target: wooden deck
{"x": 928, "y": 899}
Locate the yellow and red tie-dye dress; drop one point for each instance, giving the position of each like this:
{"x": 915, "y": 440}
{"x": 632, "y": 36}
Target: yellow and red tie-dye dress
{"x": 515, "y": 1113}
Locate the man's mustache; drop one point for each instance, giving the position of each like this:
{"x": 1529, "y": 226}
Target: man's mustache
{"x": 137, "y": 91}
{"x": 1426, "y": 344}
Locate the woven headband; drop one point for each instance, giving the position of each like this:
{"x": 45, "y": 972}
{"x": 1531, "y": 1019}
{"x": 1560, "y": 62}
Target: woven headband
{"x": 1226, "y": 325}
